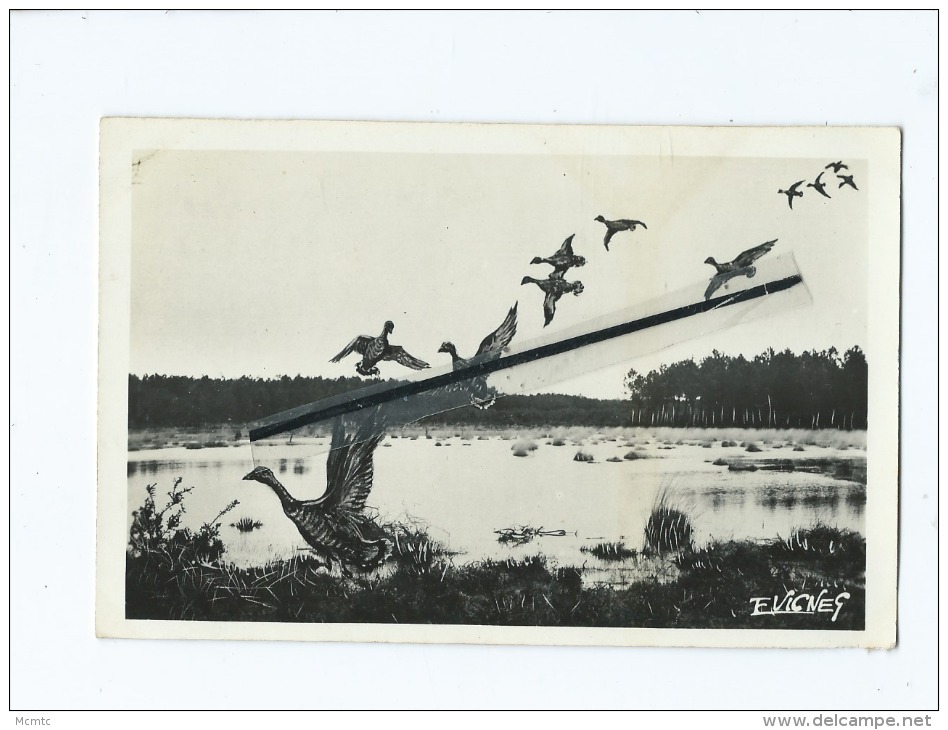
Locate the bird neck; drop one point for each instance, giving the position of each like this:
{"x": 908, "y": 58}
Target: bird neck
{"x": 454, "y": 354}
{"x": 286, "y": 499}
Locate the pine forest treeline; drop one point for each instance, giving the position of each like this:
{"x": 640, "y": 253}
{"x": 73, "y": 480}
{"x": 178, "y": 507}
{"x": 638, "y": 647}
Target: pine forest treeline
{"x": 777, "y": 390}
{"x": 773, "y": 390}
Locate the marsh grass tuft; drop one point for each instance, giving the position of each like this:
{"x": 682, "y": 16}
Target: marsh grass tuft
{"x": 610, "y": 551}
{"x": 414, "y": 552}
{"x": 823, "y": 542}
{"x": 246, "y": 524}
{"x": 583, "y": 456}
{"x": 668, "y": 529}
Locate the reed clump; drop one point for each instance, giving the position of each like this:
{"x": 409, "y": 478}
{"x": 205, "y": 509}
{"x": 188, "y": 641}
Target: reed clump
{"x": 246, "y": 524}
{"x": 668, "y": 529}
{"x": 610, "y": 551}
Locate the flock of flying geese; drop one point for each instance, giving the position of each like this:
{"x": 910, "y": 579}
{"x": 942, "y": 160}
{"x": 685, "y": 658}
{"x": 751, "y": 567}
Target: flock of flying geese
{"x": 818, "y": 185}
{"x": 335, "y": 525}
{"x": 378, "y": 349}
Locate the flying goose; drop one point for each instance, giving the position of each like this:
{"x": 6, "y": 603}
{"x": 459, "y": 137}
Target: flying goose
{"x": 335, "y": 525}
{"x": 819, "y": 186}
{"x": 613, "y": 227}
{"x": 847, "y": 180}
{"x": 743, "y": 260}
{"x": 554, "y": 287}
{"x": 836, "y": 166}
{"x": 493, "y": 344}
{"x": 792, "y": 192}
{"x": 563, "y": 259}
{"x": 375, "y": 349}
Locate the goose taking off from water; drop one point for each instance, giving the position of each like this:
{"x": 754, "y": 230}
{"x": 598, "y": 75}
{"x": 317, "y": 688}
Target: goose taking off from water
{"x": 334, "y": 525}
{"x": 613, "y": 227}
{"x": 563, "y": 259}
{"x": 481, "y": 395}
{"x": 554, "y": 287}
{"x": 836, "y": 166}
{"x": 375, "y": 349}
{"x": 847, "y": 180}
{"x": 819, "y": 186}
{"x": 743, "y": 260}
{"x": 792, "y": 192}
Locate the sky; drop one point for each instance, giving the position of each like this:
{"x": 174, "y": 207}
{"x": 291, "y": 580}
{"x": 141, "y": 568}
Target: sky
{"x": 265, "y": 263}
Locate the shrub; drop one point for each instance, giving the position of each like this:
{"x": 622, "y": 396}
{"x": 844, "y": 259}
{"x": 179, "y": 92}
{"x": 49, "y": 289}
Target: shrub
{"x": 159, "y": 532}
{"x": 631, "y": 456}
{"x": 583, "y": 456}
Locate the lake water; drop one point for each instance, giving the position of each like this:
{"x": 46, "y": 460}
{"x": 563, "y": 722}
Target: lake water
{"x": 467, "y": 488}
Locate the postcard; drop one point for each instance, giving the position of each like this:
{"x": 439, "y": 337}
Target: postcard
{"x": 501, "y": 384}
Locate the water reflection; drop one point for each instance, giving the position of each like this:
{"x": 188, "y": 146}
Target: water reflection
{"x": 463, "y": 496}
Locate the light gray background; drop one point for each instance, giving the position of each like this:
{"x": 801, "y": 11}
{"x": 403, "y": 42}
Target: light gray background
{"x": 70, "y": 68}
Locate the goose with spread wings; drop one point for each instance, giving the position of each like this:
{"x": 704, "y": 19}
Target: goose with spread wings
{"x": 819, "y": 186}
{"x": 554, "y": 287}
{"x": 740, "y": 266}
{"x": 376, "y": 349}
{"x": 335, "y": 524}
{"x": 614, "y": 227}
{"x": 792, "y": 192}
{"x": 743, "y": 260}
{"x": 482, "y": 396}
{"x": 563, "y": 259}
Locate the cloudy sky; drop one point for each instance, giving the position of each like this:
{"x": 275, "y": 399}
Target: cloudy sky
{"x": 264, "y": 263}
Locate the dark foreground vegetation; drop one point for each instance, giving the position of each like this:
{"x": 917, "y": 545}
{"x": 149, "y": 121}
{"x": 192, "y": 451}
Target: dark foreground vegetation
{"x": 773, "y": 390}
{"x": 177, "y": 574}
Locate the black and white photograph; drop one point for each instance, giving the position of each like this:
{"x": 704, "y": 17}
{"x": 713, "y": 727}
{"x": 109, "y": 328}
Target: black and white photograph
{"x": 498, "y": 383}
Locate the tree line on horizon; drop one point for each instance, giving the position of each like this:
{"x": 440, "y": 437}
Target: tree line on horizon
{"x": 777, "y": 390}
{"x": 815, "y": 389}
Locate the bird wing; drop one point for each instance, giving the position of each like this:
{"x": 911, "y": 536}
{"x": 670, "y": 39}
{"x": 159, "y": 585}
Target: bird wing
{"x": 349, "y": 472}
{"x": 609, "y": 234}
{"x": 399, "y": 355}
{"x": 567, "y": 248}
{"x": 549, "y": 307}
{"x": 752, "y": 254}
{"x": 359, "y": 344}
{"x": 497, "y": 340}
{"x": 793, "y": 188}
{"x": 716, "y": 281}
{"x": 817, "y": 183}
